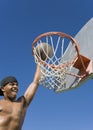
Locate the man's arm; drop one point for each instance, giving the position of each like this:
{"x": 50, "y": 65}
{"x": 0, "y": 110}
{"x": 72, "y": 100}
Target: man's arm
{"x": 31, "y": 90}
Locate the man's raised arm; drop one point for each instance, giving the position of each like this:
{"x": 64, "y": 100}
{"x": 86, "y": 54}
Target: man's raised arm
{"x": 31, "y": 90}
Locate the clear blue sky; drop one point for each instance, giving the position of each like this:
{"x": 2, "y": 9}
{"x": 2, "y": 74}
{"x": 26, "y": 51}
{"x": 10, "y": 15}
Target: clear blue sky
{"x": 20, "y": 22}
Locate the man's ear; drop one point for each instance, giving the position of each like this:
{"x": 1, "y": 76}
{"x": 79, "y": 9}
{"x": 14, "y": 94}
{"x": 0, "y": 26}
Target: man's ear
{"x": 2, "y": 88}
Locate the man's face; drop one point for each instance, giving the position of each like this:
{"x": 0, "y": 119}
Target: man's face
{"x": 10, "y": 90}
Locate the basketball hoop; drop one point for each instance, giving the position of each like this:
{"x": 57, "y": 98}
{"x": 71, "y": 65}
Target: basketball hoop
{"x": 64, "y": 62}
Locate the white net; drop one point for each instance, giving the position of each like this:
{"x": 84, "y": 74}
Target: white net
{"x": 53, "y": 79}
{"x": 57, "y": 66}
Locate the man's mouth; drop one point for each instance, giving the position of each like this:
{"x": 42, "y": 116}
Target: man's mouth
{"x": 14, "y": 90}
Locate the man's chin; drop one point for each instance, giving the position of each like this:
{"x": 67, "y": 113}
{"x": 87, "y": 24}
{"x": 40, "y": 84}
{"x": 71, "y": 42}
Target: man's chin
{"x": 13, "y": 97}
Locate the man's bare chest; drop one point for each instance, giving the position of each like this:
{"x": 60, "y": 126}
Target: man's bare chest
{"x": 13, "y": 110}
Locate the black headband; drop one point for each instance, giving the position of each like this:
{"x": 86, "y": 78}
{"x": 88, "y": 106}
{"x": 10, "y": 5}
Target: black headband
{"x": 5, "y": 81}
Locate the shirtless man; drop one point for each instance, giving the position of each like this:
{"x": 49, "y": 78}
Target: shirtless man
{"x": 12, "y": 112}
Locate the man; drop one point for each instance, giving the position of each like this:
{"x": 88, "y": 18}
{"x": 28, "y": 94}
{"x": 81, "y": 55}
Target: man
{"x": 12, "y": 112}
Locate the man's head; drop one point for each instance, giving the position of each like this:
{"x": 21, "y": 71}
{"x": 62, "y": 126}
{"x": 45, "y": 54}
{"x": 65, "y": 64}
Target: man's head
{"x": 9, "y": 86}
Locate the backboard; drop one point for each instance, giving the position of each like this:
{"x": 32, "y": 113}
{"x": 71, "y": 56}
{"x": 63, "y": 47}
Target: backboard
{"x": 85, "y": 41}
{"x": 76, "y": 61}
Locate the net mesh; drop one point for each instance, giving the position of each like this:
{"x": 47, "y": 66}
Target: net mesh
{"x": 62, "y": 57}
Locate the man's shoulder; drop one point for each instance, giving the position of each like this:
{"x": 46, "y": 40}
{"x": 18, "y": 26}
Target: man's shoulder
{"x": 21, "y": 100}
{"x": 1, "y": 100}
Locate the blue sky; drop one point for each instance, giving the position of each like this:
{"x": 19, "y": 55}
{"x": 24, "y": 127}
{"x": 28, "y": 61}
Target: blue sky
{"x": 20, "y": 22}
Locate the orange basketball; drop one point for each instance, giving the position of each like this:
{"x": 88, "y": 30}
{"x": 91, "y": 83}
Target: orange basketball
{"x": 44, "y": 51}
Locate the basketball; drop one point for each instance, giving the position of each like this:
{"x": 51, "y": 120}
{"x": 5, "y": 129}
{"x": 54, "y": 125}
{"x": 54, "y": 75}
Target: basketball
{"x": 44, "y": 51}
